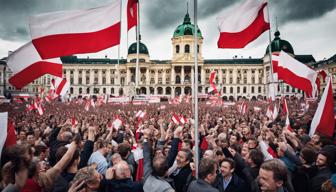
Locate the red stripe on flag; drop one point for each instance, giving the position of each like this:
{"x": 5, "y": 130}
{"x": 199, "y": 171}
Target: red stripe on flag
{"x": 295, "y": 81}
{"x": 34, "y": 71}
{"x": 132, "y": 11}
{"x": 68, "y": 44}
{"x": 244, "y": 37}
{"x": 60, "y": 86}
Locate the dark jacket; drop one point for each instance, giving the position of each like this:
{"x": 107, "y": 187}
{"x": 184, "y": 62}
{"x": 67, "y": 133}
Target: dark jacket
{"x": 236, "y": 184}
{"x": 322, "y": 175}
{"x": 86, "y": 153}
{"x": 123, "y": 185}
{"x": 201, "y": 186}
{"x": 54, "y": 144}
{"x": 181, "y": 178}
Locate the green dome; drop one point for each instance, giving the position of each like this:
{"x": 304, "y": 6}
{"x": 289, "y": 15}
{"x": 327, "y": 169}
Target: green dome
{"x": 186, "y": 28}
{"x": 142, "y": 48}
{"x": 280, "y": 44}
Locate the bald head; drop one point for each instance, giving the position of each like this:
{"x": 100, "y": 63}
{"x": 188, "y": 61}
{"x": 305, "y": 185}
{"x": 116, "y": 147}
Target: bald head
{"x": 122, "y": 170}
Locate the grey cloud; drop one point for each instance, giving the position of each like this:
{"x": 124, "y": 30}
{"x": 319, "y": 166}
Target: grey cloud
{"x": 14, "y": 14}
{"x": 299, "y": 10}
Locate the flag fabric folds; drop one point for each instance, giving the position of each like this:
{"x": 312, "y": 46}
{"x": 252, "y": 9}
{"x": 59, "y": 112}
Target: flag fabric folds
{"x": 61, "y": 86}
{"x": 323, "y": 121}
{"x": 132, "y": 12}
{"x": 65, "y": 33}
{"x": 243, "y": 25}
{"x": 295, "y": 73}
{"x": 27, "y": 65}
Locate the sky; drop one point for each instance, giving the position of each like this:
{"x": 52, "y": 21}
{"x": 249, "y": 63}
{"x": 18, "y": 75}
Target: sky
{"x": 309, "y": 25}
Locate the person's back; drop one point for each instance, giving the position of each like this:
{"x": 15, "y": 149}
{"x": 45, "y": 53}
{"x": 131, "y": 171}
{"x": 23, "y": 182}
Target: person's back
{"x": 153, "y": 175}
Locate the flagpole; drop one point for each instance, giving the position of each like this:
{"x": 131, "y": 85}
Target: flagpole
{"x": 270, "y": 50}
{"x": 196, "y": 90}
{"x": 138, "y": 45}
{"x": 118, "y": 62}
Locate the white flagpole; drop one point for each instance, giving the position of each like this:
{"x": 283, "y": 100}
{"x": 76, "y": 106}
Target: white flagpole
{"x": 138, "y": 45}
{"x": 271, "y": 80}
{"x": 117, "y": 70}
{"x": 196, "y": 89}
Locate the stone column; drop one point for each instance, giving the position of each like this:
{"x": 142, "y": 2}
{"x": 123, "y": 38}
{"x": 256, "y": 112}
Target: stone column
{"x": 83, "y": 78}
{"x": 172, "y": 78}
{"x": 182, "y": 74}
{"x": 156, "y": 77}
{"x": 76, "y": 77}
{"x": 203, "y": 76}
{"x": 128, "y": 76}
{"x": 147, "y": 78}
{"x": 108, "y": 77}
{"x": 100, "y": 77}
{"x": 220, "y": 76}
{"x": 91, "y": 76}
{"x": 164, "y": 77}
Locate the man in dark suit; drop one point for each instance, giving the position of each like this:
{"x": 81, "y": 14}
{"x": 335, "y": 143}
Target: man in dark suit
{"x": 227, "y": 180}
{"x": 207, "y": 175}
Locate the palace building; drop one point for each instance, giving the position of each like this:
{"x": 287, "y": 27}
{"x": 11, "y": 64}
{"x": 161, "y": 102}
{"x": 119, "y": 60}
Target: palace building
{"x": 237, "y": 77}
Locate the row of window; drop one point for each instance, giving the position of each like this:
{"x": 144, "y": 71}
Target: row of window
{"x": 186, "y": 48}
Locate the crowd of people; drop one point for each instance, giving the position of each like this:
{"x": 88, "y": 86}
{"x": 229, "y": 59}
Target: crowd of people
{"x": 70, "y": 149}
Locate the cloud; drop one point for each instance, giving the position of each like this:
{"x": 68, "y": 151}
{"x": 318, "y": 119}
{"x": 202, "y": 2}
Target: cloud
{"x": 301, "y": 10}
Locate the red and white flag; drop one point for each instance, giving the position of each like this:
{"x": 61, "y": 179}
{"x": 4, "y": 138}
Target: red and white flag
{"x": 61, "y": 86}
{"x": 295, "y": 73}
{"x": 267, "y": 151}
{"x": 243, "y": 24}
{"x": 285, "y": 111}
{"x": 7, "y": 132}
{"x": 243, "y": 108}
{"x": 74, "y": 122}
{"x": 212, "y": 82}
{"x": 183, "y": 120}
{"x": 176, "y": 119}
{"x": 77, "y": 31}
{"x": 323, "y": 120}
{"x": 27, "y": 65}
{"x": 38, "y": 107}
{"x": 132, "y": 12}
{"x": 87, "y": 105}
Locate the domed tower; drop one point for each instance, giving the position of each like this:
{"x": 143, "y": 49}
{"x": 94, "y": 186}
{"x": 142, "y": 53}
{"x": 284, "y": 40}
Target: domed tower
{"x": 143, "y": 53}
{"x": 183, "y": 42}
{"x": 279, "y": 44}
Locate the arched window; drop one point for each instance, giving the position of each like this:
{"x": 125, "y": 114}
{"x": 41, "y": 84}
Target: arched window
{"x": 177, "y": 49}
{"x": 231, "y": 89}
{"x": 177, "y": 79}
{"x": 71, "y": 90}
{"x": 252, "y": 89}
{"x": 104, "y": 90}
{"x": 80, "y": 90}
{"x": 244, "y": 89}
{"x": 88, "y": 90}
{"x": 238, "y": 89}
{"x": 112, "y": 90}
{"x": 187, "y": 48}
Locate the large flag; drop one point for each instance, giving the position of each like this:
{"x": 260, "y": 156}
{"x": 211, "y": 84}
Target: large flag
{"x": 243, "y": 25}
{"x": 132, "y": 11}
{"x": 294, "y": 73}
{"x": 323, "y": 120}
{"x": 27, "y": 65}
{"x": 78, "y": 31}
